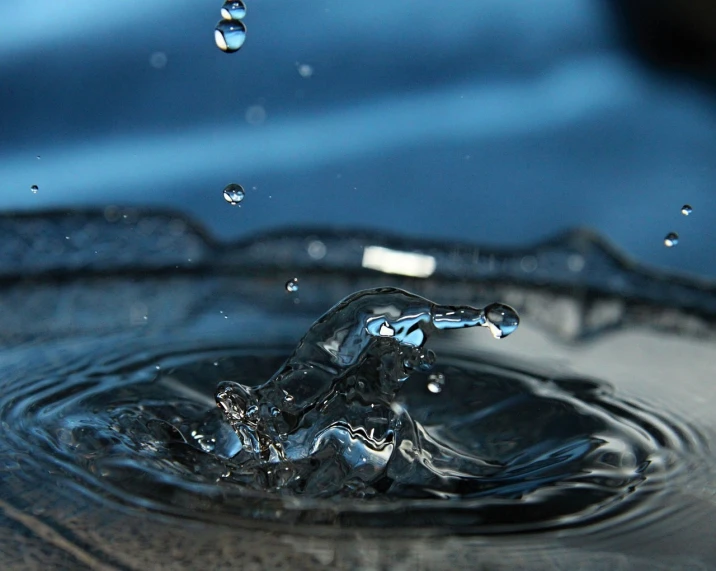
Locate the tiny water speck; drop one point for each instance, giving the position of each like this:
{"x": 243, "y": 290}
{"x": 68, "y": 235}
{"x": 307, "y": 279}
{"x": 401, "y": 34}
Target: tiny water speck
{"x": 158, "y": 60}
{"x": 233, "y": 10}
{"x": 234, "y": 193}
{"x": 686, "y": 209}
{"x": 230, "y": 35}
{"x": 292, "y": 285}
{"x": 671, "y": 239}
{"x": 34, "y": 188}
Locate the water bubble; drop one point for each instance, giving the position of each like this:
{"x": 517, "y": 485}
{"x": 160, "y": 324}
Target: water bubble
{"x": 233, "y": 10}
{"x": 501, "y": 320}
{"x": 686, "y": 209}
{"x": 34, "y": 188}
{"x": 292, "y": 285}
{"x": 234, "y": 193}
{"x": 316, "y": 249}
{"x": 671, "y": 239}
{"x": 230, "y": 35}
{"x": 436, "y": 382}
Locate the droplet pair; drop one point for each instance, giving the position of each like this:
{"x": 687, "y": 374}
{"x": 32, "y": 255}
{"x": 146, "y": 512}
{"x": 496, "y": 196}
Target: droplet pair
{"x": 230, "y": 32}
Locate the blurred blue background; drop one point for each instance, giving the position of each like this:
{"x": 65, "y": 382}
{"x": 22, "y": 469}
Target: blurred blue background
{"x": 486, "y": 121}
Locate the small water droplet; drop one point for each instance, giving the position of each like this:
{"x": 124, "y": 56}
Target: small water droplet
{"x": 34, "y": 188}
{"x": 671, "y": 239}
{"x": 158, "y": 60}
{"x": 305, "y": 70}
{"x": 316, "y": 249}
{"x": 233, "y": 10}
{"x": 255, "y": 115}
{"x": 292, "y": 285}
{"x": 436, "y": 382}
{"x": 686, "y": 209}
{"x": 230, "y": 35}
{"x": 39, "y": 157}
{"x": 501, "y": 320}
{"x": 234, "y": 193}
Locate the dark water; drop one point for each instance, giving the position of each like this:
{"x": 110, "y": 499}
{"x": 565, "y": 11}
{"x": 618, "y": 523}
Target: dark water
{"x": 582, "y": 439}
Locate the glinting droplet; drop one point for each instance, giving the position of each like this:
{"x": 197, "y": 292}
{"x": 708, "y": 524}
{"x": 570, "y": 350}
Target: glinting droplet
{"x": 233, "y": 10}
{"x": 436, "y": 382}
{"x": 686, "y": 209}
{"x": 34, "y": 188}
{"x": 230, "y": 35}
{"x": 292, "y": 285}
{"x": 501, "y": 320}
{"x": 234, "y": 193}
{"x": 671, "y": 239}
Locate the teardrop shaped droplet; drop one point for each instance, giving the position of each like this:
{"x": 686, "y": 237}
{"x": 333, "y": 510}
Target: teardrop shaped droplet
{"x": 234, "y": 193}
{"x": 230, "y": 35}
{"x": 501, "y": 320}
{"x": 671, "y": 239}
{"x": 233, "y": 10}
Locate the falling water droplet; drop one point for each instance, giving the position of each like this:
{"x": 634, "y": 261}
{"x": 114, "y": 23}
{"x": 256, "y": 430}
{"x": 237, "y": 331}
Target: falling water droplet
{"x": 305, "y": 70}
{"x": 501, "y": 320}
{"x": 436, "y": 382}
{"x": 34, "y": 188}
{"x": 234, "y": 193}
{"x": 672, "y": 238}
{"x": 233, "y": 10}
{"x": 292, "y": 285}
{"x": 230, "y": 35}
{"x": 686, "y": 209}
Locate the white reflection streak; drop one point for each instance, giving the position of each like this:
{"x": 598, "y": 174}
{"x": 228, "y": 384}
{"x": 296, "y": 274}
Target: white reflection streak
{"x": 397, "y": 262}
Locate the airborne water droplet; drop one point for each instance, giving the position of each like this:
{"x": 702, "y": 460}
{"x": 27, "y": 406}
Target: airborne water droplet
{"x": 686, "y": 209}
{"x": 34, "y": 188}
{"x": 672, "y": 239}
{"x": 292, "y": 285}
{"x": 230, "y": 35}
{"x": 436, "y": 382}
{"x": 501, "y": 320}
{"x": 234, "y": 193}
{"x": 233, "y": 10}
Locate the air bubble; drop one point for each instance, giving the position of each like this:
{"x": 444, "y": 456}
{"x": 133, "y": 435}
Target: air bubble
{"x": 34, "y": 188}
{"x": 686, "y": 209}
{"x": 230, "y": 35}
{"x": 292, "y": 285}
{"x": 501, "y": 320}
{"x": 233, "y": 10}
{"x": 234, "y": 193}
{"x": 671, "y": 239}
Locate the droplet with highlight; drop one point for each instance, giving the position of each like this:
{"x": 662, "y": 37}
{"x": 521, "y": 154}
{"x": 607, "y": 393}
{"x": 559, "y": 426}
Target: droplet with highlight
{"x": 233, "y": 10}
{"x": 34, "y": 188}
{"x": 686, "y": 209}
{"x": 230, "y": 35}
{"x": 436, "y": 382}
{"x": 234, "y": 193}
{"x": 501, "y": 320}
{"x": 671, "y": 239}
{"x": 292, "y": 285}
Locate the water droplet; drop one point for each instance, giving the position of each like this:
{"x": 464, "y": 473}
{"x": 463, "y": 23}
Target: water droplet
{"x": 234, "y": 193}
{"x": 39, "y": 157}
{"x": 686, "y": 209}
{"x": 436, "y": 382}
{"x": 158, "y": 60}
{"x": 316, "y": 250}
{"x": 671, "y": 239}
{"x": 305, "y": 70}
{"x": 230, "y": 35}
{"x": 292, "y": 285}
{"x": 255, "y": 115}
{"x": 34, "y": 188}
{"x": 233, "y": 10}
{"x": 501, "y": 320}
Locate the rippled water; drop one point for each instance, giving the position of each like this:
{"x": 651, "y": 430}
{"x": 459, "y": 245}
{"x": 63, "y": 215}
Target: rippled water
{"x": 574, "y": 440}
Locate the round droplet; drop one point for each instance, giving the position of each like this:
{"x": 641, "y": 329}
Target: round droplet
{"x": 230, "y": 35}
{"x": 501, "y": 319}
{"x": 292, "y": 285}
{"x": 305, "y": 70}
{"x": 686, "y": 209}
{"x": 34, "y": 188}
{"x": 234, "y": 193}
{"x": 233, "y": 10}
{"x": 436, "y": 382}
{"x": 672, "y": 238}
